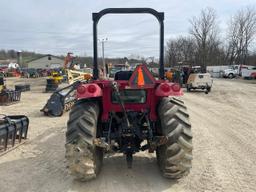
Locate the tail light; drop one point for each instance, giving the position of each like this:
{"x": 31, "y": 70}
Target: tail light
{"x": 88, "y": 91}
{"x": 91, "y": 89}
{"x": 165, "y": 87}
{"x": 81, "y": 89}
{"x": 168, "y": 89}
{"x": 176, "y": 87}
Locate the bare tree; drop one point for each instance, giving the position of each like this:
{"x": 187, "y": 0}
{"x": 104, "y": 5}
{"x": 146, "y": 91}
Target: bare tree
{"x": 204, "y": 30}
{"x": 241, "y": 31}
{"x": 180, "y": 50}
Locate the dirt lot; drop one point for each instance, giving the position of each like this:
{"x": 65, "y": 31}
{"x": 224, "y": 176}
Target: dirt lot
{"x": 224, "y": 128}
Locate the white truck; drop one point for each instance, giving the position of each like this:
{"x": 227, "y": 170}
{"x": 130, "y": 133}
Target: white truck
{"x": 231, "y": 72}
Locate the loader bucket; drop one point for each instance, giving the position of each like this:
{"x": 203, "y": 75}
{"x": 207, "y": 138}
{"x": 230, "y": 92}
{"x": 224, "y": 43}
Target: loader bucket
{"x": 60, "y": 101}
{"x": 57, "y": 104}
{"x": 13, "y": 130}
{"x": 54, "y": 105}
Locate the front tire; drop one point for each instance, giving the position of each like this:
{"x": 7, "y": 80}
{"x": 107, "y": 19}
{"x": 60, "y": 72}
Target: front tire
{"x": 175, "y": 157}
{"x": 231, "y": 76}
{"x": 84, "y": 159}
{"x": 188, "y": 88}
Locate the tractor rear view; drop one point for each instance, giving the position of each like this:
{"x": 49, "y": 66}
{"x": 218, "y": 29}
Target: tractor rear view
{"x": 134, "y": 112}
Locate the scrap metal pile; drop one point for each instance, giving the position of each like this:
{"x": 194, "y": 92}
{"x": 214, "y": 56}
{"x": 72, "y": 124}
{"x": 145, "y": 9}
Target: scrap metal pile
{"x": 13, "y": 131}
{"x": 8, "y": 96}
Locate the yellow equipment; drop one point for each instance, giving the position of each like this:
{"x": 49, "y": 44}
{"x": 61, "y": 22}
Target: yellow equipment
{"x": 73, "y": 75}
{"x": 57, "y": 77}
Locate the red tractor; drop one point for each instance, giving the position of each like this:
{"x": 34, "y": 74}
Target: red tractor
{"x": 134, "y": 112}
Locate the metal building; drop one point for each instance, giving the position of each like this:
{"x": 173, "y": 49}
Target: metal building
{"x": 45, "y": 62}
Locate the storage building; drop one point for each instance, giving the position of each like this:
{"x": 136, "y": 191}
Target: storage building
{"x": 46, "y": 62}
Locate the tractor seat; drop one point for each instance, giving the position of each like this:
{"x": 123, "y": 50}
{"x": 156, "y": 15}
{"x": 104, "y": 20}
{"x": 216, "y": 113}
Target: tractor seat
{"x": 123, "y": 75}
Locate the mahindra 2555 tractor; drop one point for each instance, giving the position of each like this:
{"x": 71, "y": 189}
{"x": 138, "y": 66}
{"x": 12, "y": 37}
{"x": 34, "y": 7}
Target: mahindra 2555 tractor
{"x": 134, "y": 112}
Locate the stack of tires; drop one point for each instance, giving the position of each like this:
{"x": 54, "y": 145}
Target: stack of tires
{"x": 51, "y": 85}
{"x": 22, "y": 87}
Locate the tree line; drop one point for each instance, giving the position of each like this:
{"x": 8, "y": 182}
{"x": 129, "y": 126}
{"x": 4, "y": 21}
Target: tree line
{"x": 204, "y": 45}
{"x": 88, "y": 60}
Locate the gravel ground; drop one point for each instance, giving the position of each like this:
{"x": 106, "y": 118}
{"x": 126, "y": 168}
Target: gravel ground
{"x": 224, "y": 151}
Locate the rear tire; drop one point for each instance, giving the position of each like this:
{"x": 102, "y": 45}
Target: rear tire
{"x": 209, "y": 89}
{"x": 84, "y": 159}
{"x": 175, "y": 157}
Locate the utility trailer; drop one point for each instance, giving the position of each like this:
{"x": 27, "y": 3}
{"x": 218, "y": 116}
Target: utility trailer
{"x": 201, "y": 81}
{"x": 249, "y": 73}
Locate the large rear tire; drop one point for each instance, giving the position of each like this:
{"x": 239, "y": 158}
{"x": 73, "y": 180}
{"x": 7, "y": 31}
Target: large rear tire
{"x": 84, "y": 159}
{"x": 175, "y": 157}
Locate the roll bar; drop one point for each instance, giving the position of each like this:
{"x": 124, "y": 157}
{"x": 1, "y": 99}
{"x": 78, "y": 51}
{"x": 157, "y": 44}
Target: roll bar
{"x": 96, "y": 17}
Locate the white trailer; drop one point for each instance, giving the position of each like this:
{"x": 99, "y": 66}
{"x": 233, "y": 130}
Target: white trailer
{"x": 217, "y": 71}
{"x": 226, "y": 71}
{"x": 249, "y": 73}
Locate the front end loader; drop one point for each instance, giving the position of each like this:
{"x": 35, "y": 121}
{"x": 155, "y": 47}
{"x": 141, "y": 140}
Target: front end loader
{"x": 60, "y": 101}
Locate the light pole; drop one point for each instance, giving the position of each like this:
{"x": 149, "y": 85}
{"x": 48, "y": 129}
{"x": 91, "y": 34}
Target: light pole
{"x": 103, "y": 58}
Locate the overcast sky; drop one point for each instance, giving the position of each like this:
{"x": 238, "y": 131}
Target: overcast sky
{"x": 61, "y": 26}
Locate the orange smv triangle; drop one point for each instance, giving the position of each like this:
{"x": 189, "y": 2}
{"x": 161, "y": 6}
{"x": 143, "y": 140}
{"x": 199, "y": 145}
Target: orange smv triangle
{"x": 140, "y": 77}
